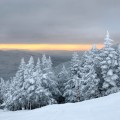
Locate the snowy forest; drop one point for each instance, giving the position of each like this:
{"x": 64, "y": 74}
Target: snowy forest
{"x": 94, "y": 74}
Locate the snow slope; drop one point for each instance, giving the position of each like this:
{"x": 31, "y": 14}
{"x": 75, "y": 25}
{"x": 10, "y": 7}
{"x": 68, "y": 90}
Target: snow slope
{"x": 105, "y": 108}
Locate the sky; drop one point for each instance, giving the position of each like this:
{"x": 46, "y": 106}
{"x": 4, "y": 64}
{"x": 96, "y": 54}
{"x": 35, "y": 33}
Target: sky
{"x": 75, "y": 22}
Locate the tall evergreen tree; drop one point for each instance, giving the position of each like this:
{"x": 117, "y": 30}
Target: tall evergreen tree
{"x": 16, "y": 95}
{"x": 72, "y": 88}
{"x": 2, "y": 84}
{"x": 90, "y": 83}
{"x": 44, "y": 63}
{"x": 38, "y": 71}
{"x": 118, "y": 50}
{"x": 75, "y": 61}
{"x": 89, "y": 79}
{"x": 30, "y": 82}
{"x": 109, "y": 66}
{"x": 62, "y": 79}
{"x": 108, "y": 41}
{"x": 49, "y": 81}
{"x": 70, "y": 91}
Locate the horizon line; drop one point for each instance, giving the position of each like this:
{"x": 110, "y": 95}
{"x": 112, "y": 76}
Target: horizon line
{"x": 35, "y": 47}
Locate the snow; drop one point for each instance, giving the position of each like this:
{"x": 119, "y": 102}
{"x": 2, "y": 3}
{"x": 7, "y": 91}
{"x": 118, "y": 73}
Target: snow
{"x": 104, "y": 67}
{"x": 114, "y": 77}
{"x": 45, "y": 76}
{"x": 110, "y": 72}
{"x": 31, "y": 88}
{"x": 31, "y": 80}
{"x": 105, "y": 108}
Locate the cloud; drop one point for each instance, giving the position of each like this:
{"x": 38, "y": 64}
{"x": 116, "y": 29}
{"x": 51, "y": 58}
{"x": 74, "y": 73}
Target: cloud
{"x": 63, "y": 21}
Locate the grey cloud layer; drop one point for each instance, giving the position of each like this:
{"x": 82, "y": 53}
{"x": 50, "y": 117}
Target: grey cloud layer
{"x": 58, "y": 21}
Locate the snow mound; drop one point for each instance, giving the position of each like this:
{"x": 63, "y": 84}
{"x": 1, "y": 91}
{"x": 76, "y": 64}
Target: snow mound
{"x": 105, "y": 108}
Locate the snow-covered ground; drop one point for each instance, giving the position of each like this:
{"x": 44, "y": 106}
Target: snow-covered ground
{"x": 105, "y": 108}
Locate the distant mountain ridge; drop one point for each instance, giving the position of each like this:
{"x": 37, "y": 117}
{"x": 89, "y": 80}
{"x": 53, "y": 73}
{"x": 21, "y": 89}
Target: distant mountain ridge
{"x": 10, "y": 60}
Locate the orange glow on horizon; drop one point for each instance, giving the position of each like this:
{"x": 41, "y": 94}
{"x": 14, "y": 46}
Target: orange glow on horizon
{"x": 69, "y": 47}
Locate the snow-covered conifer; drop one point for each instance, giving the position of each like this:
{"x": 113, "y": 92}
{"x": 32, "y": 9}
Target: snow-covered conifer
{"x": 75, "y": 63}
{"x": 70, "y": 91}
{"x": 29, "y": 83}
{"x": 16, "y": 97}
{"x": 49, "y": 79}
{"x": 108, "y": 41}
{"x": 72, "y": 86}
{"x": 109, "y": 66}
{"x": 2, "y": 92}
{"x": 90, "y": 83}
{"x": 44, "y": 63}
{"x": 62, "y": 79}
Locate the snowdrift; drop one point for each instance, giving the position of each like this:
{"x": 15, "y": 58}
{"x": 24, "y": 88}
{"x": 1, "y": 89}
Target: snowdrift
{"x": 105, "y": 108}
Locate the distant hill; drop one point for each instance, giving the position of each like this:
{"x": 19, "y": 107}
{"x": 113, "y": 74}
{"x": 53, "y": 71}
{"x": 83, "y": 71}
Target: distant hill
{"x": 10, "y": 60}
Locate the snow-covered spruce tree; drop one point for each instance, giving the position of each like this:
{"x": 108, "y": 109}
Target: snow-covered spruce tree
{"x": 20, "y": 90}
{"x": 72, "y": 86}
{"x": 62, "y": 79}
{"x": 2, "y": 84}
{"x": 49, "y": 61}
{"x": 92, "y": 53}
{"x": 49, "y": 81}
{"x": 12, "y": 101}
{"x": 70, "y": 91}
{"x": 108, "y": 41}
{"x": 88, "y": 61}
{"x": 109, "y": 67}
{"x": 7, "y": 94}
{"x": 89, "y": 82}
{"x": 38, "y": 71}
{"x": 118, "y": 50}
{"x": 42, "y": 95}
{"x": 75, "y": 63}
{"x": 16, "y": 98}
{"x": 44, "y": 64}
{"x": 29, "y": 83}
